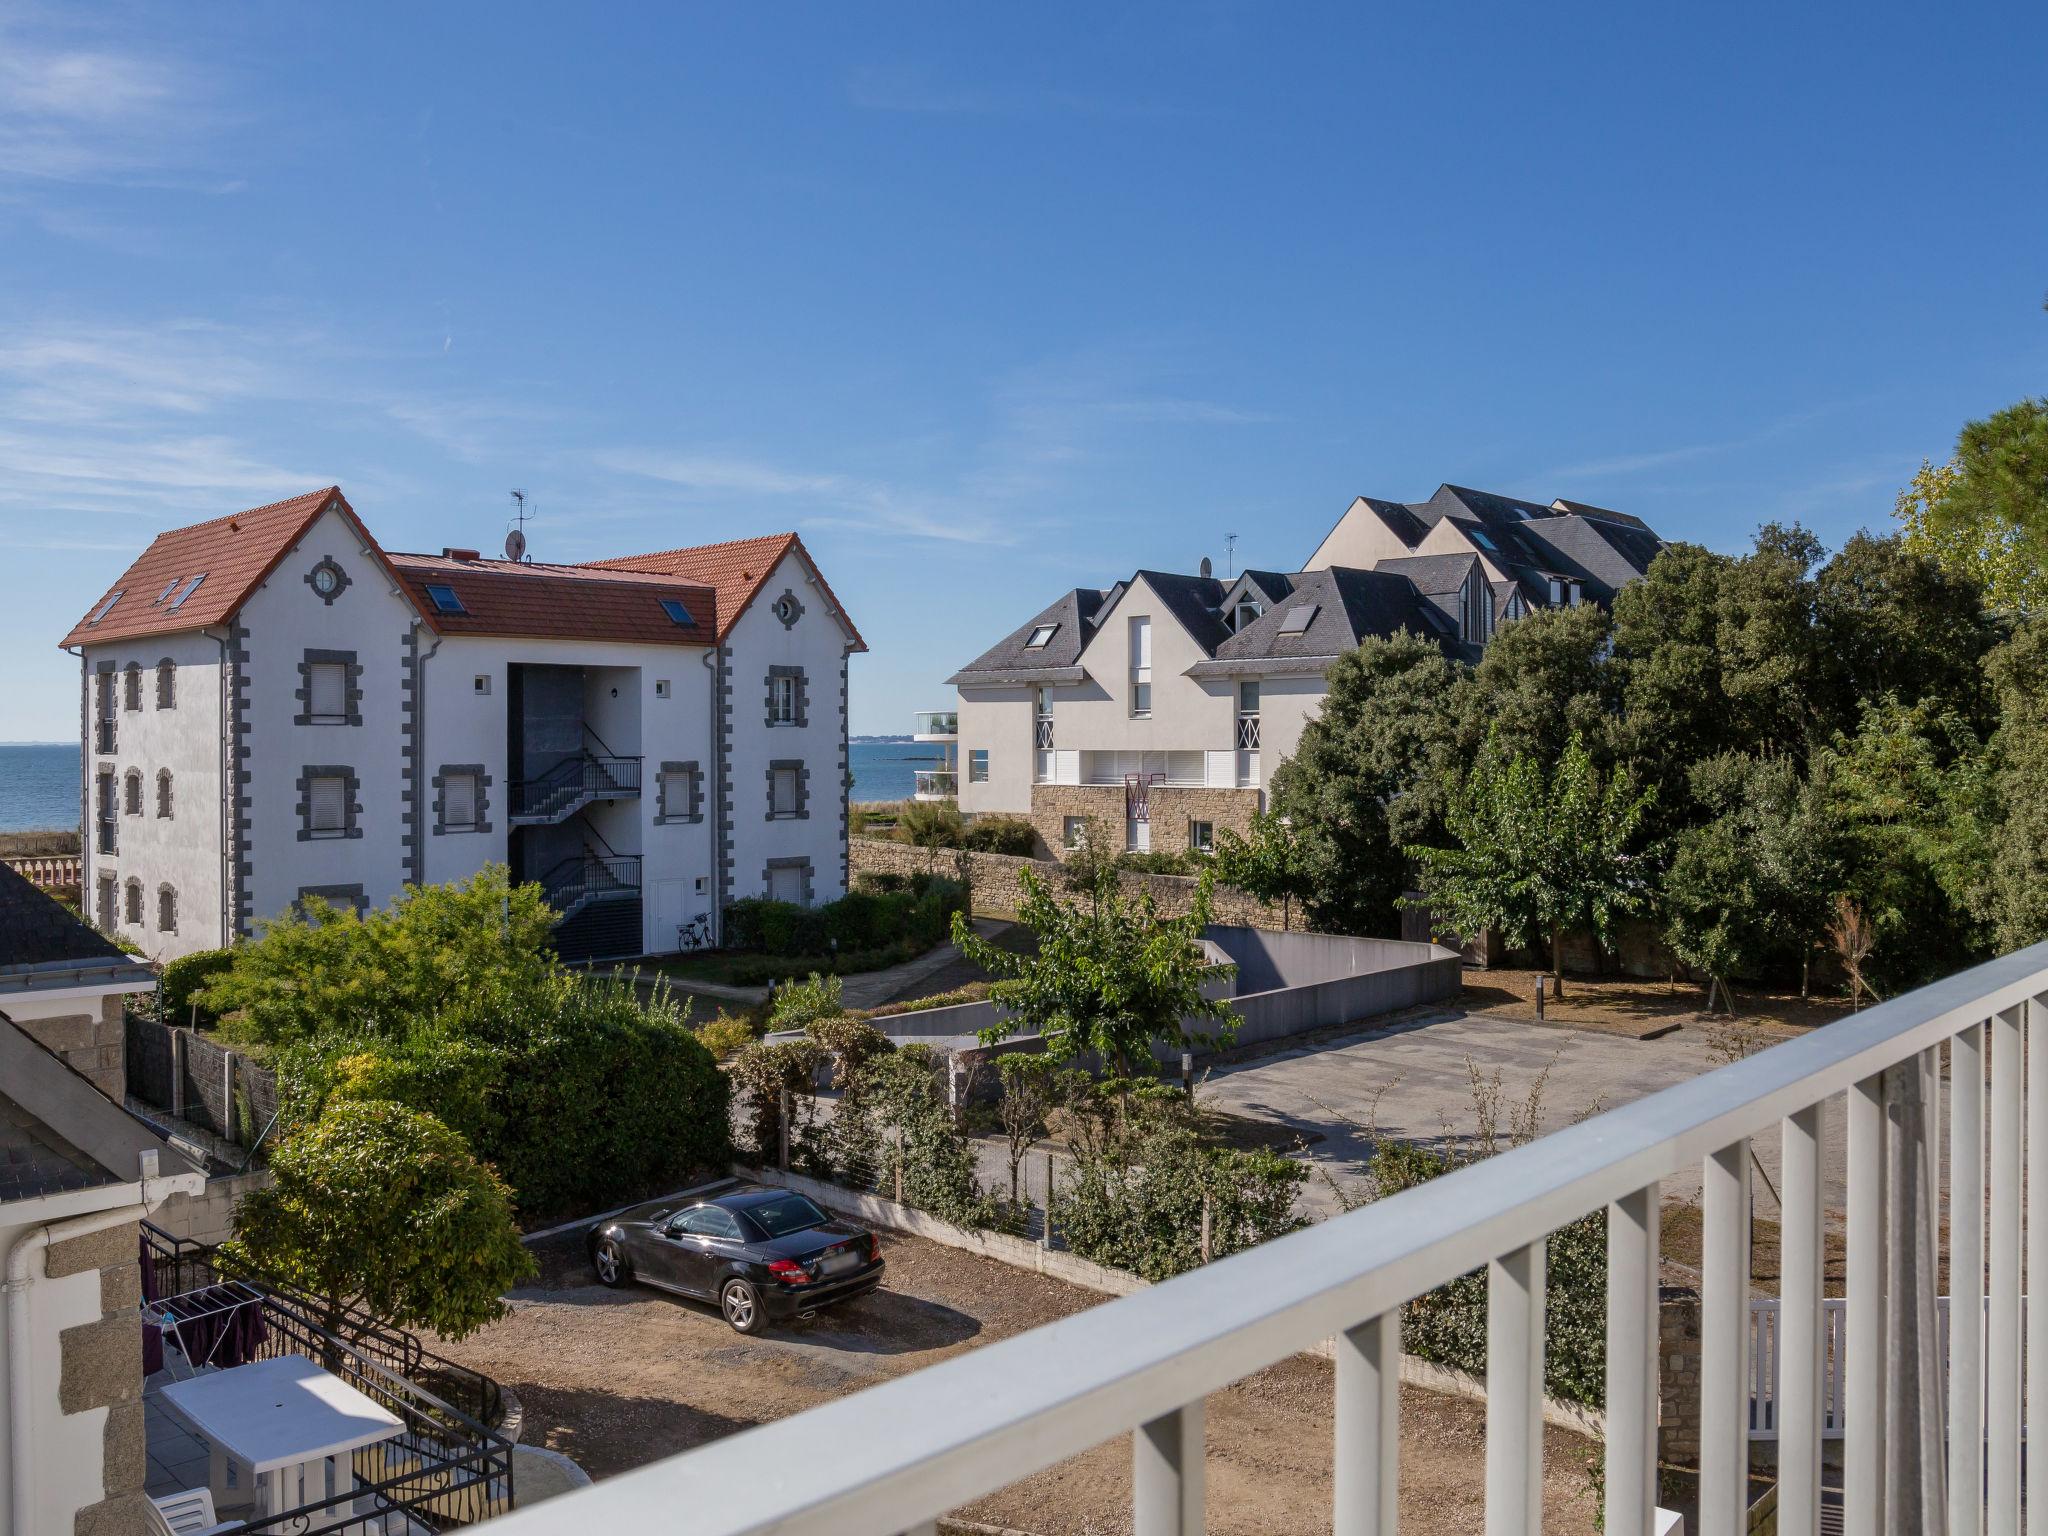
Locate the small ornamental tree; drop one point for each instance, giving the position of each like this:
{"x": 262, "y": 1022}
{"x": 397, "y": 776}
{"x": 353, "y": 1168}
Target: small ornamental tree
{"x": 383, "y": 1208}
{"x": 1536, "y": 854}
{"x": 1272, "y": 864}
{"x": 1112, "y": 978}
{"x": 1033, "y": 1087}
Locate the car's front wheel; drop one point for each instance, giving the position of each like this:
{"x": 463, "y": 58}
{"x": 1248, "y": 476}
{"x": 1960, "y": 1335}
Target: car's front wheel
{"x": 741, "y": 1304}
{"x": 610, "y": 1262}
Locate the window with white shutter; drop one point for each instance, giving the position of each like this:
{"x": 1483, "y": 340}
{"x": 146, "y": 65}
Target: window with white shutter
{"x": 327, "y": 806}
{"x": 327, "y": 691}
{"x": 458, "y": 800}
{"x": 785, "y": 792}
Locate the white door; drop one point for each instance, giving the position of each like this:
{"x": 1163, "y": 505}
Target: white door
{"x": 667, "y": 914}
{"x": 1138, "y": 836}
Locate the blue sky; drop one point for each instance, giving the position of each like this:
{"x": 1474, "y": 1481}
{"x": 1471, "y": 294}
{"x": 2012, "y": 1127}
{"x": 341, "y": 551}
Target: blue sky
{"x": 986, "y": 301}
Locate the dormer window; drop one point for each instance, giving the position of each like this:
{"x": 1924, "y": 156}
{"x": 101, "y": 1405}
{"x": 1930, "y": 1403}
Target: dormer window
{"x": 1040, "y": 637}
{"x": 1247, "y": 615}
{"x": 1556, "y": 592}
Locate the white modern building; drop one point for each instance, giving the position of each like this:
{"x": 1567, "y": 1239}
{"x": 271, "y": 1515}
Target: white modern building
{"x": 275, "y": 707}
{"x": 1158, "y": 708}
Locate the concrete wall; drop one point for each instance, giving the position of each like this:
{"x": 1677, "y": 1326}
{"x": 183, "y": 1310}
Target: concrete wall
{"x": 209, "y": 1218}
{"x": 999, "y": 721}
{"x": 181, "y": 850}
{"x": 817, "y": 643}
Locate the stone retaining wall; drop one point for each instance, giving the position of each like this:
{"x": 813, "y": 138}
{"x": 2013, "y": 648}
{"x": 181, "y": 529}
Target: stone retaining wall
{"x": 992, "y": 880}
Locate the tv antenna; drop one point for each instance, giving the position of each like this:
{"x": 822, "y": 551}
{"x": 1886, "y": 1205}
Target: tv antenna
{"x": 1230, "y": 553}
{"x": 515, "y": 541}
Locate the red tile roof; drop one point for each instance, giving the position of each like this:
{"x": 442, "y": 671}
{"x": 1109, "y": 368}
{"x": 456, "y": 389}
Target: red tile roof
{"x": 557, "y": 602}
{"x": 233, "y": 553}
{"x": 737, "y": 569}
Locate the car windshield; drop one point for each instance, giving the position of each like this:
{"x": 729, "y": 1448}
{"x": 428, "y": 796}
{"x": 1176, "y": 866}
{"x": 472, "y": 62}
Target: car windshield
{"x": 785, "y": 1214}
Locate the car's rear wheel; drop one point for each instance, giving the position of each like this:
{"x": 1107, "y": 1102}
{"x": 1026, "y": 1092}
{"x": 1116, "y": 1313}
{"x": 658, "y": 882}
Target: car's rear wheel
{"x": 741, "y": 1304}
{"x": 610, "y": 1262}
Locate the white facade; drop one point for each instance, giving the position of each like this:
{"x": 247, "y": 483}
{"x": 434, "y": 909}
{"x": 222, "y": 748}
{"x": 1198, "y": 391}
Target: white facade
{"x": 791, "y": 636}
{"x": 333, "y": 740}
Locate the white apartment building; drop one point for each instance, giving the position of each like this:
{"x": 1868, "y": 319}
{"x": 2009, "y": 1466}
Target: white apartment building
{"x": 1159, "y": 707}
{"x": 275, "y": 707}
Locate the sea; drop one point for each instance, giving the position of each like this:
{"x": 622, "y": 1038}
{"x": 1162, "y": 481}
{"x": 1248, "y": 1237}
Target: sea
{"x": 39, "y": 782}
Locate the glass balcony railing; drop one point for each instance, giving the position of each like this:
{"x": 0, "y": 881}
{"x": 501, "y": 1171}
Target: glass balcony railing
{"x": 937, "y": 724}
{"x": 938, "y": 784}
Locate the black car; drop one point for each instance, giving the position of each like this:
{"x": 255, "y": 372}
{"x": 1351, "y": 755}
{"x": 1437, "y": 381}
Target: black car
{"x": 761, "y": 1254}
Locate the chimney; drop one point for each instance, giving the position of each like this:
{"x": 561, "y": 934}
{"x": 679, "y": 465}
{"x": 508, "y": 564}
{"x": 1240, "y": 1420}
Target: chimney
{"x": 458, "y": 554}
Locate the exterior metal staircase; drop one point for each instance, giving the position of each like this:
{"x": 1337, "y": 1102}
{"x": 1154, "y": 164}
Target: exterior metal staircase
{"x": 571, "y": 785}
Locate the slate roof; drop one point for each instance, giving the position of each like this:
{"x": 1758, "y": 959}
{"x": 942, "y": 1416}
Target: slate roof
{"x": 233, "y": 553}
{"x": 1196, "y": 602}
{"x": 1350, "y": 604}
{"x": 1432, "y": 574}
{"x": 558, "y": 602}
{"x": 1073, "y": 613}
{"x": 35, "y": 1160}
{"x": 38, "y": 930}
{"x": 736, "y": 569}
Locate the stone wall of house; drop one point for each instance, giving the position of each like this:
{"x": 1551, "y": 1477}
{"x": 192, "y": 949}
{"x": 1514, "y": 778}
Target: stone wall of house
{"x": 102, "y": 1368}
{"x": 1052, "y": 804}
{"x": 89, "y": 1041}
{"x": 1678, "y": 1376}
{"x": 1172, "y": 809}
{"x": 992, "y": 881}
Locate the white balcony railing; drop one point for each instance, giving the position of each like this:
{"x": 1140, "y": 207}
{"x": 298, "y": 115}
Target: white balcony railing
{"x": 937, "y": 724}
{"x": 898, "y": 1456}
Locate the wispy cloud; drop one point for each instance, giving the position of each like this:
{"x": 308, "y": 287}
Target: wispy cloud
{"x": 1619, "y": 466}
{"x": 91, "y": 112}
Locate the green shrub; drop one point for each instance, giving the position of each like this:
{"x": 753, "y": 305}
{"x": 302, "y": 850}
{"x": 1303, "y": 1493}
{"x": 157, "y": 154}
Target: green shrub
{"x": 852, "y": 1043}
{"x": 803, "y": 1003}
{"x": 916, "y": 912}
{"x": 1011, "y": 835}
{"x": 181, "y": 981}
{"x": 930, "y": 824}
{"x": 761, "y": 1074}
{"x": 1448, "y": 1324}
{"x": 726, "y": 1036}
{"x": 901, "y": 1118}
{"x": 1159, "y": 862}
{"x": 1140, "y": 1175}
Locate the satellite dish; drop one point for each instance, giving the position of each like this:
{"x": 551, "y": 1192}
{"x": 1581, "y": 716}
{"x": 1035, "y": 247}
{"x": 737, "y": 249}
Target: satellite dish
{"x": 1207, "y": 568}
{"x": 515, "y": 545}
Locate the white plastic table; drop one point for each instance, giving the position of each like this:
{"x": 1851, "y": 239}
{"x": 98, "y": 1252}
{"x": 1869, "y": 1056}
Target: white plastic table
{"x": 289, "y": 1422}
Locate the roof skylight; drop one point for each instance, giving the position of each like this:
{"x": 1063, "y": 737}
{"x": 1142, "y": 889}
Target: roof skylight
{"x": 105, "y": 608}
{"x": 169, "y": 587}
{"x": 673, "y": 607}
{"x": 190, "y": 587}
{"x": 444, "y": 598}
{"x": 1483, "y": 539}
{"x": 1041, "y": 637}
{"x": 1298, "y": 618}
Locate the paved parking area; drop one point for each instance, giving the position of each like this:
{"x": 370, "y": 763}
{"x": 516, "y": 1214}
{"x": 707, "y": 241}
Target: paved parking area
{"x": 1412, "y": 1080}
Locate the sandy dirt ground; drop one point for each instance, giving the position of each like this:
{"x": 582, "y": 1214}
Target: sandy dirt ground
{"x": 617, "y": 1379}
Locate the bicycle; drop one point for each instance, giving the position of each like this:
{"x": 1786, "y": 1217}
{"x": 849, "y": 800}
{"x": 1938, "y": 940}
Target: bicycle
{"x": 695, "y": 934}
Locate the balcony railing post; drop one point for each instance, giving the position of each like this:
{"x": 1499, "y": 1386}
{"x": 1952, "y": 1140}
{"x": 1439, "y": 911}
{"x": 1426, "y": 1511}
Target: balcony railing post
{"x": 2002, "y": 1333}
{"x": 1800, "y": 1340}
{"x": 1966, "y": 1283}
{"x": 1514, "y": 1392}
{"x": 1166, "y": 1474}
{"x": 1863, "y": 1431}
{"x": 2037, "y": 1260}
{"x": 1724, "y": 1342}
{"x": 1632, "y": 1224}
{"x": 1368, "y": 1459}
{"x": 1914, "y": 1496}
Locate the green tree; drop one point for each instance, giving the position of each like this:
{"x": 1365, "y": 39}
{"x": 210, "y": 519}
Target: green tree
{"x": 1272, "y": 864}
{"x": 1542, "y": 681}
{"x": 1367, "y": 779}
{"x": 1752, "y": 886}
{"x": 383, "y": 1208}
{"x": 1984, "y": 514}
{"x": 1111, "y": 978}
{"x": 2019, "y": 859}
{"x": 1537, "y": 852}
{"x": 460, "y": 958}
{"x": 1893, "y": 623}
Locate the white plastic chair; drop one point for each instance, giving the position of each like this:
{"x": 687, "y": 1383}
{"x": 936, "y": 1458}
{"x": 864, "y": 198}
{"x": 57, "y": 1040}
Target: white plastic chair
{"x": 189, "y": 1513}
